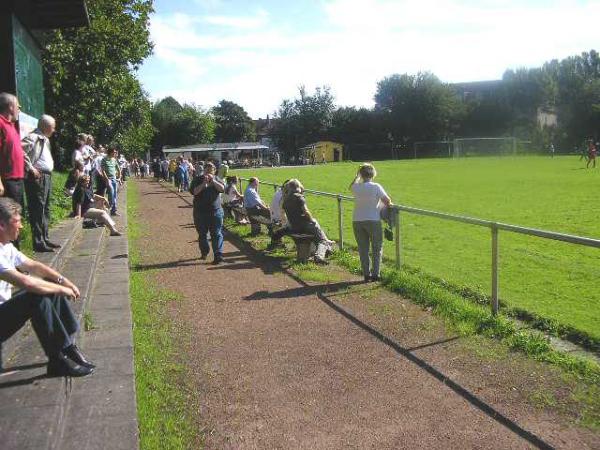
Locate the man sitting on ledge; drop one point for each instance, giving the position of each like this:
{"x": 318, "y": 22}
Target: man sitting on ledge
{"x": 44, "y": 302}
{"x": 256, "y": 209}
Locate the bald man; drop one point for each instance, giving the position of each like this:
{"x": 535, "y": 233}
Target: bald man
{"x": 12, "y": 166}
{"x": 38, "y": 184}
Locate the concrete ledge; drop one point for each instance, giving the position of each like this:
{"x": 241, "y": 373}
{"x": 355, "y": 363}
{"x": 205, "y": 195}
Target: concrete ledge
{"x": 98, "y": 411}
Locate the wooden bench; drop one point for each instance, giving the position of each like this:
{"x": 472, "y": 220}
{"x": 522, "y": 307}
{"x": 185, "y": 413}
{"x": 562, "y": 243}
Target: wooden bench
{"x": 305, "y": 246}
{"x": 228, "y": 210}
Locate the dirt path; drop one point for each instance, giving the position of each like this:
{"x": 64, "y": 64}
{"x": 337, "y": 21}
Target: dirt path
{"x": 276, "y": 367}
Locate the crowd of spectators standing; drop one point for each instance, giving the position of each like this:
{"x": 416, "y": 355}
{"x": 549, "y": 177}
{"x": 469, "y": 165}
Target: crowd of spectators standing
{"x": 29, "y": 289}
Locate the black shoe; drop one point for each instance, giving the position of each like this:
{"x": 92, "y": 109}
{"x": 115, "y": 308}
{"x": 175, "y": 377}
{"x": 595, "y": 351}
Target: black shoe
{"x": 42, "y": 249}
{"x": 320, "y": 261}
{"x": 367, "y": 279}
{"x": 218, "y": 260}
{"x": 377, "y": 278}
{"x": 72, "y": 352}
{"x": 52, "y": 244}
{"x": 203, "y": 256}
{"x": 274, "y": 244}
{"x": 61, "y": 366}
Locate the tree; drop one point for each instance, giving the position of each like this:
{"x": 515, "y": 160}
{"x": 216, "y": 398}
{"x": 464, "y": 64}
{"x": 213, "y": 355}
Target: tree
{"x": 417, "y": 107}
{"x": 192, "y": 126}
{"x": 233, "y": 123}
{"x": 304, "y": 120}
{"x": 178, "y": 125}
{"x": 357, "y": 126}
{"x": 91, "y": 85}
{"x": 163, "y": 118}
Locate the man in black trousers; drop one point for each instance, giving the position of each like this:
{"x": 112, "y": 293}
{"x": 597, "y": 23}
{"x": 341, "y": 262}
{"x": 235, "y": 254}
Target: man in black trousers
{"x": 44, "y": 300}
{"x": 38, "y": 183}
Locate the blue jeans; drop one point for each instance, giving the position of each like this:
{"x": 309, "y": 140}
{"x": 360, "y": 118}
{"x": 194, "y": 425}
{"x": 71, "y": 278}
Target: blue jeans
{"x": 210, "y": 221}
{"x": 113, "y": 194}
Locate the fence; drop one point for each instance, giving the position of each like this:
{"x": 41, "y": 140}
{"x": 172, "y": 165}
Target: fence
{"x": 494, "y": 227}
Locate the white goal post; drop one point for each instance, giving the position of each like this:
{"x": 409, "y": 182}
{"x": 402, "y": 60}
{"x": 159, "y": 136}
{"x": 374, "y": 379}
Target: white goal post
{"x": 484, "y": 146}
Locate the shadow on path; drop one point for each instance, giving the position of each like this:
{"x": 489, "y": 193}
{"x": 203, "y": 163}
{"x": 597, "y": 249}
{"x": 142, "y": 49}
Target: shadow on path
{"x": 301, "y": 291}
{"x": 166, "y": 265}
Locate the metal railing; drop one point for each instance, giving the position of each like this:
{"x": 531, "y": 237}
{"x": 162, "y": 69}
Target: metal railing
{"x": 494, "y": 227}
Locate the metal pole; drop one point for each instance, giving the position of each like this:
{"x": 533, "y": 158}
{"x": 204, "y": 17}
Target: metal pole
{"x": 340, "y": 223}
{"x": 494, "y": 270}
{"x": 398, "y": 240}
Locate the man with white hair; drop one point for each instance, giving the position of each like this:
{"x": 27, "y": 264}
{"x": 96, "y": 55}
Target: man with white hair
{"x": 38, "y": 184}
{"x": 12, "y": 166}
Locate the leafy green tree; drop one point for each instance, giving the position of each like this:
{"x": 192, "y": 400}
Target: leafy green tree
{"x": 91, "y": 84}
{"x": 417, "y": 107}
{"x": 178, "y": 125}
{"x": 163, "y": 118}
{"x": 352, "y": 125}
{"x": 304, "y": 120}
{"x": 192, "y": 126}
{"x": 233, "y": 124}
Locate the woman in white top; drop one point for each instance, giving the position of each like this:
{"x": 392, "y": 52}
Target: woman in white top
{"x": 366, "y": 221}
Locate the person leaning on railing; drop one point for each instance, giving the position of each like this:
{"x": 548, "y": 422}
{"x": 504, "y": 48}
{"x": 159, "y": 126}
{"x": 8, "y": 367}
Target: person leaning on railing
{"x": 366, "y": 221}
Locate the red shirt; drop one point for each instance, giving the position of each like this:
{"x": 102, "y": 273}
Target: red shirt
{"x": 12, "y": 161}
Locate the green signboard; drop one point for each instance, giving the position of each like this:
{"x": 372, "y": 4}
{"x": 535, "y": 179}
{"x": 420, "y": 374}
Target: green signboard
{"x": 29, "y": 73}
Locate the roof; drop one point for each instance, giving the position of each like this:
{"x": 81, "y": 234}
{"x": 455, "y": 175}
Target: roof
{"x": 198, "y": 148}
{"x": 49, "y": 14}
{"x": 318, "y": 143}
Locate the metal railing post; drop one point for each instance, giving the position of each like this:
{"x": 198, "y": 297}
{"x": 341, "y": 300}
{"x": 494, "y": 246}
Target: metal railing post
{"x": 494, "y": 269}
{"x": 340, "y": 223}
{"x": 398, "y": 239}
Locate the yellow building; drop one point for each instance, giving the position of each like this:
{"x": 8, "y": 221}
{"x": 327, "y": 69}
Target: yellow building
{"x": 321, "y": 152}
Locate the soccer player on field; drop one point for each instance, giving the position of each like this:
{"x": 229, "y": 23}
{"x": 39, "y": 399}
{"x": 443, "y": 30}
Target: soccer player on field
{"x": 591, "y": 154}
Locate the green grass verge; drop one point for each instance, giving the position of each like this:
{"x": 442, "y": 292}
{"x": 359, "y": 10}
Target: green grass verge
{"x": 469, "y": 318}
{"x": 166, "y": 418}
{"x": 554, "y": 283}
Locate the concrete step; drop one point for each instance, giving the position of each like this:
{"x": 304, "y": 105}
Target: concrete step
{"x": 48, "y": 413}
{"x": 102, "y": 409}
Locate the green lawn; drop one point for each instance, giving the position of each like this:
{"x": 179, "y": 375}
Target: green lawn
{"x": 551, "y": 279}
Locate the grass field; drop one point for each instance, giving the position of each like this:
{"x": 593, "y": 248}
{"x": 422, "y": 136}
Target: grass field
{"x": 553, "y": 280}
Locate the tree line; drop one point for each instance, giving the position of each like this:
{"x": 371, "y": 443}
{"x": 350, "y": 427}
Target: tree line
{"x": 411, "y": 108}
{"x": 92, "y": 87}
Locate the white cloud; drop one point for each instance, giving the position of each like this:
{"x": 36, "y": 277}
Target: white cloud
{"x": 261, "y": 19}
{"x": 258, "y": 60}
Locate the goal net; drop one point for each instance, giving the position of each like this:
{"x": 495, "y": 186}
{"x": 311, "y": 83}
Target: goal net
{"x": 498, "y": 146}
{"x": 432, "y": 149}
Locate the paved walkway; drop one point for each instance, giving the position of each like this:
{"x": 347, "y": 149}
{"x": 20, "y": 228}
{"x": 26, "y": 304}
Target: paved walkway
{"x": 276, "y": 367}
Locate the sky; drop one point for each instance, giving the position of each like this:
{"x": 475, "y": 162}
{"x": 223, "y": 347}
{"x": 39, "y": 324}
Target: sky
{"x": 258, "y": 53}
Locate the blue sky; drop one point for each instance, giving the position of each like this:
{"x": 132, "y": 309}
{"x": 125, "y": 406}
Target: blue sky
{"x": 257, "y": 53}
